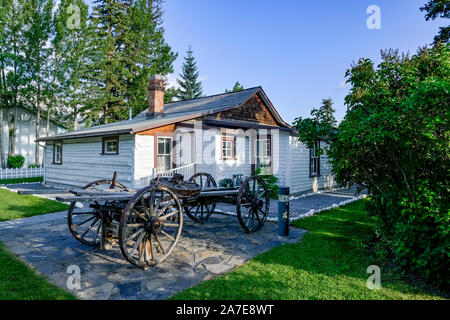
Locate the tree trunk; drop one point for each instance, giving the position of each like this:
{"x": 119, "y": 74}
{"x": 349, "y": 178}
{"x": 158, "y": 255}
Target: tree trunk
{"x": 2, "y": 150}
{"x": 75, "y": 116}
{"x": 38, "y": 117}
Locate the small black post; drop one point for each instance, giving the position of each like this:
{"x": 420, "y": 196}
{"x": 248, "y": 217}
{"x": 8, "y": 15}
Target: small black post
{"x": 283, "y": 211}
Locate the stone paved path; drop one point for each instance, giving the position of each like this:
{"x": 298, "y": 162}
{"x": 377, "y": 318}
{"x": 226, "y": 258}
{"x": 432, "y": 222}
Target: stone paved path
{"x": 204, "y": 251}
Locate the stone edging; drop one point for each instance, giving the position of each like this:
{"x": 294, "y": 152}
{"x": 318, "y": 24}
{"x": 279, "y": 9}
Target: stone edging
{"x": 309, "y": 213}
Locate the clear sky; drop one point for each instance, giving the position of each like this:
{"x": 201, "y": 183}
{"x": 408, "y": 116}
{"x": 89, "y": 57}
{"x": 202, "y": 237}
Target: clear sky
{"x": 297, "y": 50}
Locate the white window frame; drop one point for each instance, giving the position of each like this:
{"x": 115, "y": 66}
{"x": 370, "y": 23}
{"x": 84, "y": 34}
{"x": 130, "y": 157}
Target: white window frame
{"x": 260, "y": 156}
{"x": 105, "y": 145}
{"x": 165, "y": 154}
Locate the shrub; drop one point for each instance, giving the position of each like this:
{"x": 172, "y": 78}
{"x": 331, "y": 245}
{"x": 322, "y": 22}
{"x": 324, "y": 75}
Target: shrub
{"x": 271, "y": 182}
{"x": 33, "y": 165}
{"x": 394, "y": 142}
{"x": 15, "y": 162}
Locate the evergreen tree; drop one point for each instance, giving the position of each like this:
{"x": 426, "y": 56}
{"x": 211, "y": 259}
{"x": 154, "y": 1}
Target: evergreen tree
{"x": 145, "y": 51}
{"x": 128, "y": 46}
{"x": 320, "y": 126}
{"x": 190, "y": 87}
{"x": 438, "y": 9}
{"x": 325, "y": 114}
{"x": 237, "y": 87}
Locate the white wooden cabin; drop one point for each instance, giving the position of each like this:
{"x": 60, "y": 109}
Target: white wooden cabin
{"x": 26, "y": 133}
{"x": 224, "y": 135}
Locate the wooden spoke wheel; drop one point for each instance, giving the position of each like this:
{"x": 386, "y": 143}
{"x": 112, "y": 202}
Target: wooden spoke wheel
{"x": 150, "y": 226}
{"x": 252, "y": 204}
{"x": 201, "y": 211}
{"x": 85, "y": 223}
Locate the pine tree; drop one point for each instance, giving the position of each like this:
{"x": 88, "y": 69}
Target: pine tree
{"x": 325, "y": 114}
{"x": 128, "y": 45}
{"x": 191, "y": 88}
{"x": 145, "y": 51}
{"x": 237, "y": 87}
{"x": 438, "y": 9}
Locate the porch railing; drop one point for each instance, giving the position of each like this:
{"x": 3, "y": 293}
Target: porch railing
{"x": 187, "y": 171}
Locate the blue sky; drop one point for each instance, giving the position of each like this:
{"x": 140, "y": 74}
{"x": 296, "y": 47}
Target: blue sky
{"x": 297, "y": 50}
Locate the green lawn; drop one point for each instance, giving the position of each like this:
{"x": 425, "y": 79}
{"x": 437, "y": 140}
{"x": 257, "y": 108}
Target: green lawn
{"x": 21, "y": 180}
{"x": 17, "y": 280}
{"x": 14, "y": 206}
{"x": 329, "y": 263}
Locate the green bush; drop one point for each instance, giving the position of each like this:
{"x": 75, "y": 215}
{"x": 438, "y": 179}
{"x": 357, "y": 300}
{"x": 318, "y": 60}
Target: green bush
{"x": 33, "y": 165}
{"x": 271, "y": 182}
{"x": 15, "y": 162}
{"x": 394, "y": 142}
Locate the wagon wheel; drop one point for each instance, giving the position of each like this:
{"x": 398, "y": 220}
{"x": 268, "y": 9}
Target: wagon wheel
{"x": 85, "y": 223}
{"x": 150, "y": 226}
{"x": 200, "y": 212}
{"x": 252, "y": 205}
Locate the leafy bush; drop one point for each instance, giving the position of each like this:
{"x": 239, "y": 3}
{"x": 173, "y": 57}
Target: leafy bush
{"x": 394, "y": 142}
{"x": 271, "y": 182}
{"x": 33, "y": 165}
{"x": 16, "y": 161}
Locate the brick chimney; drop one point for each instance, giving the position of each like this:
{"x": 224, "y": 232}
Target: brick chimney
{"x": 156, "y": 95}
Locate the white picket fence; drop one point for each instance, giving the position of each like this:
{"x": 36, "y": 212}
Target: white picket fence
{"x": 21, "y": 173}
{"x": 187, "y": 171}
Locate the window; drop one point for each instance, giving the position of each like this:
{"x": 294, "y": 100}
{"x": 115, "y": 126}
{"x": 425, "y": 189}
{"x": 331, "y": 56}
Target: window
{"x": 314, "y": 160}
{"x": 164, "y": 153}
{"x": 57, "y": 153}
{"x": 263, "y": 153}
{"x": 228, "y": 148}
{"x": 110, "y": 145}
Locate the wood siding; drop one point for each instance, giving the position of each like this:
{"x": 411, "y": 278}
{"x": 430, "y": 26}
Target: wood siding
{"x": 298, "y": 169}
{"x": 83, "y": 162}
{"x": 254, "y": 110}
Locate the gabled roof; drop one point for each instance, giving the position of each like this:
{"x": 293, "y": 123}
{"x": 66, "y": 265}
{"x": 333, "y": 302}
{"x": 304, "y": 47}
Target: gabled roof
{"x": 174, "y": 112}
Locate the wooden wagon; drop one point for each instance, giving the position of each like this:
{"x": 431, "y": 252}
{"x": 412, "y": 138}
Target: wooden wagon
{"x": 147, "y": 223}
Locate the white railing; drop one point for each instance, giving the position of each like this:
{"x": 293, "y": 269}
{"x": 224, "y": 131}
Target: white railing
{"x": 21, "y": 173}
{"x": 187, "y": 171}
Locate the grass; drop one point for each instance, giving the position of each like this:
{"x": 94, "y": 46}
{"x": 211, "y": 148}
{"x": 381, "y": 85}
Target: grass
{"x": 17, "y": 280}
{"x": 329, "y": 263}
{"x": 14, "y": 206}
{"x": 21, "y": 180}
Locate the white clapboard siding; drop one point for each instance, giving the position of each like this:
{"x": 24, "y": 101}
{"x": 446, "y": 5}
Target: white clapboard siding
{"x": 82, "y": 162}
{"x": 144, "y": 160}
{"x": 299, "y": 180}
{"x": 21, "y": 173}
{"x": 26, "y": 134}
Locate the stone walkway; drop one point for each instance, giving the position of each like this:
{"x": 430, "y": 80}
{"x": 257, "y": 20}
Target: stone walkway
{"x": 204, "y": 251}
